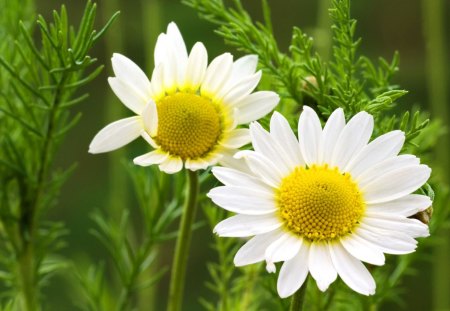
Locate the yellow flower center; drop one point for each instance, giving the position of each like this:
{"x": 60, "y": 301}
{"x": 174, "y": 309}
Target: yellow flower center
{"x": 319, "y": 203}
{"x": 189, "y": 125}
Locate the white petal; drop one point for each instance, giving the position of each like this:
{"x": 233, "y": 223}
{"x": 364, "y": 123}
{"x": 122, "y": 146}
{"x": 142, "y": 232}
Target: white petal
{"x": 237, "y": 138}
{"x": 196, "y": 67}
{"x": 352, "y": 271}
{"x": 175, "y": 37}
{"x": 242, "y": 89}
{"x": 244, "y": 66}
{"x": 157, "y": 83}
{"x": 253, "y": 251}
{"x": 310, "y": 135}
{"x": 162, "y": 48}
{"x": 153, "y": 157}
{"x": 354, "y": 136}
{"x": 128, "y": 95}
{"x": 293, "y": 273}
{"x": 386, "y": 166}
{"x": 381, "y": 148}
{"x": 217, "y": 74}
{"x": 245, "y": 225}
{"x": 127, "y": 71}
{"x": 283, "y": 249}
{"x": 148, "y": 139}
{"x": 256, "y": 106}
{"x": 197, "y": 164}
{"x": 179, "y": 52}
{"x": 396, "y": 184}
{"x": 330, "y": 134}
{"x": 150, "y": 118}
{"x": 320, "y": 265}
{"x": 281, "y": 132}
{"x": 405, "y": 206}
{"x": 264, "y": 144}
{"x": 228, "y": 160}
{"x": 388, "y": 242}
{"x": 396, "y": 223}
{"x": 243, "y": 200}
{"x": 362, "y": 250}
{"x": 116, "y": 135}
{"x": 171, "y": 165}
{"x": 232, "y": 177}
{"x": 262, "y": 167}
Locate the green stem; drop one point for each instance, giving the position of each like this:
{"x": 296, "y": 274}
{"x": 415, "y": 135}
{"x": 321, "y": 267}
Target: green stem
{"x": 27, "y": 273}
{"x": 183, "y": 243}
{"x": 298, "y": 300}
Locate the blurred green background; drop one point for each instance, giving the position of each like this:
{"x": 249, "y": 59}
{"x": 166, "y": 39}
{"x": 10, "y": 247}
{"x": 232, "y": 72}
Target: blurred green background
{"x": 417, "y": 29}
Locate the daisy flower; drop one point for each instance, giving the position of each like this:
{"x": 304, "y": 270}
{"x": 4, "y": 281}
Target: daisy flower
{"x": 324, "y": 202}
{"x": 189, "y": 111}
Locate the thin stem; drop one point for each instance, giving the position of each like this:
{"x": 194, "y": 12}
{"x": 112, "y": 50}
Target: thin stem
{"x": 183, "y": 243}
{"x": 298, "y": 300}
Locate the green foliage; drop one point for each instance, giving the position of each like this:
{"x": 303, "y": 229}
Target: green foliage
{"x": 133, "y": 240}
{"x": 39, "y": 84}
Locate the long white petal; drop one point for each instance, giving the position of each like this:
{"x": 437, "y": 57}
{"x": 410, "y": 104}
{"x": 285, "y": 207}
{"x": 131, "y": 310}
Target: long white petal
{"x": 244, "y": 66}
{"x": 405, "y": 206}
{"x": 261, "y": 166}
{"x": 157, "y": 83}
{"x": 196, "y": 67}
{"x": 330, "y": 134}
{"x": 150, "y": 158}
{"x": 247, "y": 225}
{"x": 150, "y": 118}
{"x": 179, "y": 52}
{"x": 388, "y": 242}
{"x": 126, "y": 70}
{"x": 171, "y": 165}
{"x": 243, "y": 200}
{"x": 396, "y": 184}
{"x": 128, "y": 95}
{"x": 116, "y": 135}
{"x": 354, "y": 136}
{"x": 233, "y": 177}
{"x": 242, "y": 89}
{"x": 320, "y": 265}
{"x": 283, "y": 249}
{"x": 352, "y": 271}
{"x": 384, "y": 167}
{"x": 362, "y": 250}
{"x": 237, "y": 138}
{"x": 281, "y": 132}
{"x": 310, "y": 135}
{"x": 264, "y": 144}
{"x": 293, "y": 273}
{"x": 254, "y": 250}
{"x": 162, "y": 48}
{"x": 217, "y": 75}
{"x": 396, "y": 223}
{"x": 381, "y": 148}
{"x": 256, "y": 106}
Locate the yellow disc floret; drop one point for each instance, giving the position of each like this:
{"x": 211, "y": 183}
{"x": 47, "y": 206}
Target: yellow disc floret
{"x": 319, "y": 203}
{"x": 189, "y": 125}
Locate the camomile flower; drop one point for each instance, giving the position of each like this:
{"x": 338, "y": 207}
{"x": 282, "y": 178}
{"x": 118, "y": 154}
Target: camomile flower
{"x": 189, "y": 111}
{"x": 323, "y": 203}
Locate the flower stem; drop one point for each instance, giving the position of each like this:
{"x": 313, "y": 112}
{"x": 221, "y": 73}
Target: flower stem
{"x": 183, "y": 243}
{"x": 298, "y": 300}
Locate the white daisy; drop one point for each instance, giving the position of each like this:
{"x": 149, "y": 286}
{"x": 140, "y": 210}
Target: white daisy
{"x": 190, "y": 111}
{"x": 323, "y": 203}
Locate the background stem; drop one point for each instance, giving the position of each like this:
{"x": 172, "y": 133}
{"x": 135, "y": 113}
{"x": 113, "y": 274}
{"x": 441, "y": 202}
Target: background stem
{"x": 183, "y": 242}
{"x": 298, "y": 300}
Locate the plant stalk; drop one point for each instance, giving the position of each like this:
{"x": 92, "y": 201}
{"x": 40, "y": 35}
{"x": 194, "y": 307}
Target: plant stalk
{"x": 298, "y": 300}
{"x": 183, "y": 243}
